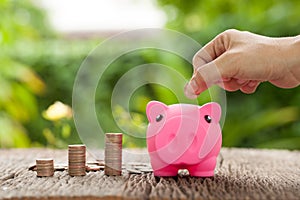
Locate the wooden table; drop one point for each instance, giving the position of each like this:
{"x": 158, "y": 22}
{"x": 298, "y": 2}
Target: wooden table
{"x": 241, "y": 174}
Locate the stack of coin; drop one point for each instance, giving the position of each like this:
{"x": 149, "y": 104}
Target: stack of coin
{"x": 113, "y": 154}
{"x": 77, "y": 159}
{"x": 44, "y": 167}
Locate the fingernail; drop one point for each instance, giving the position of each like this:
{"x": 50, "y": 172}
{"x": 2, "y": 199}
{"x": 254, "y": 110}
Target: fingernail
{"x": 189, "y": 91}
{"x": 226, "y": 79}
{"x": 241, "y": 82}
{"x": 252, "y": 84}
{"x": 194, "y": 85}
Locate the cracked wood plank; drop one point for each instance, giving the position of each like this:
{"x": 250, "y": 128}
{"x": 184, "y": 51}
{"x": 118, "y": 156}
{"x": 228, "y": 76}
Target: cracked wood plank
{"x": 241, "y": 174}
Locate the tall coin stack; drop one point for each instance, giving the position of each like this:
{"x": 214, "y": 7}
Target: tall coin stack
{"x": 77, "y": 160}
{"x": 113, "y": 154}
{"x": 44, "y": 167}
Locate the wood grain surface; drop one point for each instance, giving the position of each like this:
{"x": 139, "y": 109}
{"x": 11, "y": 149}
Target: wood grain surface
{"x": 240, "y": 174}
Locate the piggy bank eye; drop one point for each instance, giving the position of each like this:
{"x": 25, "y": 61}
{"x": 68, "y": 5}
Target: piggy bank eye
{"x": 207, "y": 118}
{"x": 159, "y": 117}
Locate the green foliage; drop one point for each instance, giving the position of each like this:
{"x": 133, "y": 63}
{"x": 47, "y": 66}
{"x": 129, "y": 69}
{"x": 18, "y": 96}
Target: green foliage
{"x": 263, "y": 119}
{"x": 18, "y": 104}
{"x": 38, "y": 68}
{"x": 56, "y": 61}
{"x": 205, "y": 19}
{"x": 20, "y": 21}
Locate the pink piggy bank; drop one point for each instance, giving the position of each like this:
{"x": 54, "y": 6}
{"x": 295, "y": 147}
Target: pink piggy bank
{"x": 183, "y": 136}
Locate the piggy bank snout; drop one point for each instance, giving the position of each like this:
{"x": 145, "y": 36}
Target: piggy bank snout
{"x": 180, "y": 137}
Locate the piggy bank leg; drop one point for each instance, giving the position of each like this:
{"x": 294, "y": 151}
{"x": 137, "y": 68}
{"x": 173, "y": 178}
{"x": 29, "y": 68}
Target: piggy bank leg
{"x": 161, "y": 168}
{"x": 204, "y": 169}
{"x": 166, "y": 171}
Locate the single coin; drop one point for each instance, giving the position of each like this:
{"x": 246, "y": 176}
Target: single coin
{"x": 93, "y": 168}
{"x": 32, "y": 167}
{"x": 146, "y": 170}
{"x": 44, "y": 160}
{"x": 133, "y": 171}
{"x": 76, "y": 146}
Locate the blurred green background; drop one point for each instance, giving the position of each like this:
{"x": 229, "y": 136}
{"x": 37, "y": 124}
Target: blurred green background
{"x": 38, "y": 67}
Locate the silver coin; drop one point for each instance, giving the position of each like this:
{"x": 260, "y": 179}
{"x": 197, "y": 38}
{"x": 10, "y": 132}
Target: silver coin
{"x": 133, "y": 171}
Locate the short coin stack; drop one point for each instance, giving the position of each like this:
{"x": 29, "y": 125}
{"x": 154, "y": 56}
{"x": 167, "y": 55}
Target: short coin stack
{"x": 44, "y": 167}
{"x": 77, "y": 160}
{"x": 113, "y": 154}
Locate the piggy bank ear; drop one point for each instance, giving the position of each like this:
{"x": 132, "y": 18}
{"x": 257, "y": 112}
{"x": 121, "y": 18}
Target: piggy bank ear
{"x": 211, "y": 110}
{"x": 155, "y": 110}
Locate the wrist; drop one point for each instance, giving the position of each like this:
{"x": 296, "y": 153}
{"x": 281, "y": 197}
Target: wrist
{"x": 294, "y": 57}
{"x": 287, "y": 57}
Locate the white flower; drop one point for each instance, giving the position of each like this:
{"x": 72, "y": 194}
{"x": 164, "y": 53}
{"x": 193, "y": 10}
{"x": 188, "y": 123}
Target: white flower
{"x": 57, "y": 111}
